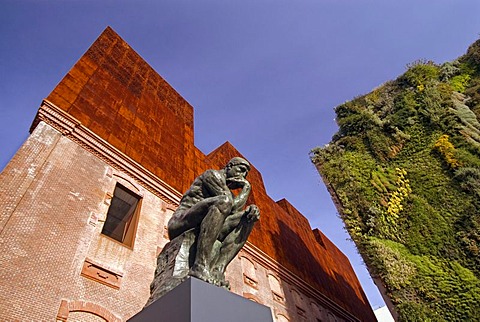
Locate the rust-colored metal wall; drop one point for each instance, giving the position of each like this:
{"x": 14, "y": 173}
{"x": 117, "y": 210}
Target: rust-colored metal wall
{"x": 116, "y": 94}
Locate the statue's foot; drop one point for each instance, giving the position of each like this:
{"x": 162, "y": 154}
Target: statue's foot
{"x": 225, "y": 284}
{"x": 220, "y": 280}
{"x": 201, "y": 272}
{"x": 252, "y": 213}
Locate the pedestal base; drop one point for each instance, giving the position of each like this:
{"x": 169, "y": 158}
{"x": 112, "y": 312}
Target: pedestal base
{"x": 197, "y": 301}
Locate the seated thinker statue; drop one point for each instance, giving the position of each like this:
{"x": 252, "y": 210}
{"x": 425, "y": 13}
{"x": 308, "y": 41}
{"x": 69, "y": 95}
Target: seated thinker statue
{"x": 219, "y": 217}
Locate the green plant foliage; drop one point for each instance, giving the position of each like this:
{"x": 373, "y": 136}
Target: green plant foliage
{"x": 404, "y": 170}
{"x": 449, "y": 70}
{"x": 420, "y": 73}
{"x": 472, "y": 58}
{"x": 469, "y": 180}
{"x": 447, "y": 150}
{"x": 405, "y": 114}
{"x": 459, "y": 83}
{"x": 383, "y": 180}
{"x": 430, "y": 105}
{"x": 446, "y": 288}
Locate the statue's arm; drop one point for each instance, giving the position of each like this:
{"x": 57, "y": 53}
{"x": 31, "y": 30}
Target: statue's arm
{"x": 215, "y": 183}
{"x": 240, "y": 200}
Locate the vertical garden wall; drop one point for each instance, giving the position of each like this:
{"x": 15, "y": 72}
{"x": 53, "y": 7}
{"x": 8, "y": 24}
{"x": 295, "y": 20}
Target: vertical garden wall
{"x": 404, "y": 171}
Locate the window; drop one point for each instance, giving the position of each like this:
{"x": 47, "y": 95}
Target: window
{"x": 122, "y": 216}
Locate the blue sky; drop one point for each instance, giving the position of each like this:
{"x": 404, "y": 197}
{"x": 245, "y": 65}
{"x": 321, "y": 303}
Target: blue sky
{"x": 278, "y": 68}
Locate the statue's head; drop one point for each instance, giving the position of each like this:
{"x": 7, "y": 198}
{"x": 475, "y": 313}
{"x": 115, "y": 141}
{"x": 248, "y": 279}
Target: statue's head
{"x": 237, "y": 168}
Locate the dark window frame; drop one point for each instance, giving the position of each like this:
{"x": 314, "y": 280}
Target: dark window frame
{"x": 122, "y": 216}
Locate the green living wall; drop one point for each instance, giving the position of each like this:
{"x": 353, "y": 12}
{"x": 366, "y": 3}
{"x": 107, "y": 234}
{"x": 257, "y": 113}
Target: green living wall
{"x": 404, "y": 171}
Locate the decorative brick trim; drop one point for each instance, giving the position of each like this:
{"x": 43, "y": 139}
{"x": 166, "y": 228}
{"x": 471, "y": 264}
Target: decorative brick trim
{"x": 63, "y": 311}
{"x": 302, "y": 313}
{"x": 282, "y": 312}
{"x": 294, "y": 291}
{"x": 251, "y": 297}
{"x": 171, "y": 207}
{"x": 74, "y": 130}
{"x": 128, "y": 183}
{"x": 278, "y": 298}
{"x": 82, "y": 306}
{"x": 98, "y": 273}
{"x": 248, "y": 258}
{"x": 250, "y": 281}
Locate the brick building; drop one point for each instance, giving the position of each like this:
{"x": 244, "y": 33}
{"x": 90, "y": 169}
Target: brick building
{"x": 115, "y": 135}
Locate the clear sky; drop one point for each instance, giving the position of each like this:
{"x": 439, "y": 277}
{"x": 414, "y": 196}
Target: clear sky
{"x": 264, "y": 75}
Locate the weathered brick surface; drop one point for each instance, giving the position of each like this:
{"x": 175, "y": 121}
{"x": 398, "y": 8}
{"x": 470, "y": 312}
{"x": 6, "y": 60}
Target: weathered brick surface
{"x": 53, "y": 191}
{"x": 84, "y": 317}
{"x": 47, "y": 237}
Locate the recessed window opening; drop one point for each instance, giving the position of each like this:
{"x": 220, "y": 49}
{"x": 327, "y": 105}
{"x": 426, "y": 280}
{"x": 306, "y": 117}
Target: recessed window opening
{"x": 122, "y": 215}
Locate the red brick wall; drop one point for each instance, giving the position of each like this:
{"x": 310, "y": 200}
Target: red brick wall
{"x": 51, "y": 228}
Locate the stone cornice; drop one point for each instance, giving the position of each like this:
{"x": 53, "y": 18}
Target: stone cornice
{"x": 266, "y": 261}
{"x": 74, "y": 130}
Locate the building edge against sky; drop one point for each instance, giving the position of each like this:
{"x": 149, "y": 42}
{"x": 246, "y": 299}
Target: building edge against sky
{"x": 114, "y": 122}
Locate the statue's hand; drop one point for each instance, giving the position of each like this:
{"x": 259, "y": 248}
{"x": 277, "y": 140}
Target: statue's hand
{"x": 238, "y": 182}
{"x": 252, "y": 213}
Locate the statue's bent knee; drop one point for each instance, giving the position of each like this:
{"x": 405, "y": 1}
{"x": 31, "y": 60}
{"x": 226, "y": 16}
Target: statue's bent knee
{"x": 174, "y": 228}
{"x": 224, "y": 204}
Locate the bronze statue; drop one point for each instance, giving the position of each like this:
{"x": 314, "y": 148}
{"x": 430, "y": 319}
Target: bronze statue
{"x": 208, "y": 229}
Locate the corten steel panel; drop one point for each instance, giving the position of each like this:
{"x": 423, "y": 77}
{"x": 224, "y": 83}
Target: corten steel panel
{"x": 116, "y": 94}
